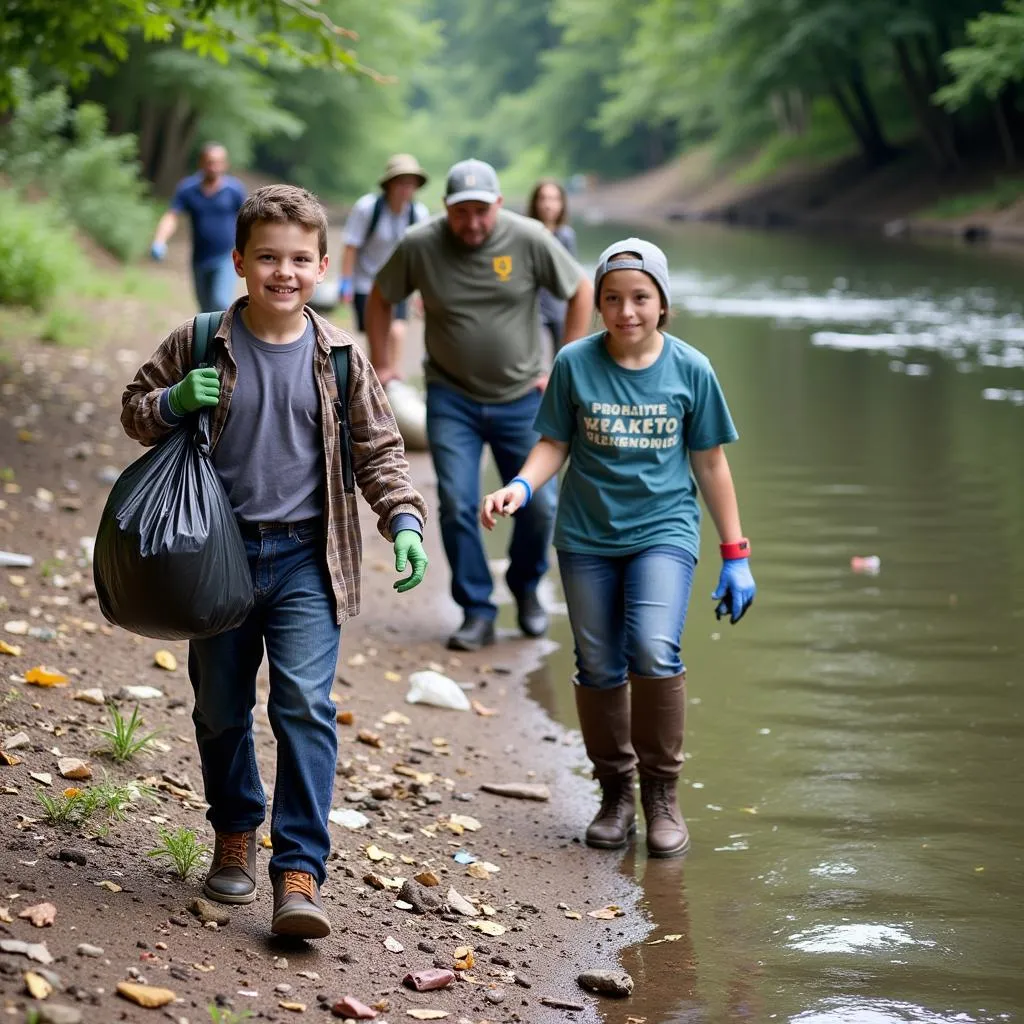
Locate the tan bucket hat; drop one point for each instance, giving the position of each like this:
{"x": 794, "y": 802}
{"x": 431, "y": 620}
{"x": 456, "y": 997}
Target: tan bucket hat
{"x": 403, "y": 163}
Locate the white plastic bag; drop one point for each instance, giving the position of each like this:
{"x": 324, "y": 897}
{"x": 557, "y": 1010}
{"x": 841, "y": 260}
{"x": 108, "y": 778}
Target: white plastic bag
{"x": 428, "y": 687}
{"x": 410, "y": 414}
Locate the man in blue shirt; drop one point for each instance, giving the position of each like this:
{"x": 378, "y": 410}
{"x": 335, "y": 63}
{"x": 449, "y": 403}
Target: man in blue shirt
{"x": 212, "y": 199}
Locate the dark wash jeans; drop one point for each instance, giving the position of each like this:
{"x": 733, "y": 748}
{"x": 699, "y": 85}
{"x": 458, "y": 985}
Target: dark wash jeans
{"x": 457, "y": 430}
{"x": 627, "y": 612}
{"x": 294, "y": 617}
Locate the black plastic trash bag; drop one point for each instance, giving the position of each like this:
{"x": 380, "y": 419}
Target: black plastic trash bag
{"x": 169, "y": 560}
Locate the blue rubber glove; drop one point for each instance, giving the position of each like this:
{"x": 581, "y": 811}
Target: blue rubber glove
{"x": 409, "y": 549}
{"x": 736, "y": 589}
{"x": 345, "y": 289}
{"x": 158, "y": 250}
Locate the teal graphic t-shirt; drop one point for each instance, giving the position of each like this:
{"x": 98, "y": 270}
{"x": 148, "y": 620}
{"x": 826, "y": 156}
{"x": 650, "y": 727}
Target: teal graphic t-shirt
{"x": 628, "y": 484}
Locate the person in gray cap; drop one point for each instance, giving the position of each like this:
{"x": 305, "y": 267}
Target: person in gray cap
{"x": 375, "y": 224}
{"x": 636, "y": 412}
{"x": 479, "y": 269}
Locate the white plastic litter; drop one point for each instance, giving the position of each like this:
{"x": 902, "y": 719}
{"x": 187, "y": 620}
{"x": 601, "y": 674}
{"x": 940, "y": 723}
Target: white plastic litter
{"x": 348, "y": 818}
{"x": 428, "y": 687}
{"x": 410, "y": 413}
{"x": 139, "y": 693}
{"x": 12, "y": 560}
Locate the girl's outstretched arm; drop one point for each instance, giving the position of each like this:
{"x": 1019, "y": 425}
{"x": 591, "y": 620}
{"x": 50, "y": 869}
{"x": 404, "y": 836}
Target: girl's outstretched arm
{"x": 544, "y": 461}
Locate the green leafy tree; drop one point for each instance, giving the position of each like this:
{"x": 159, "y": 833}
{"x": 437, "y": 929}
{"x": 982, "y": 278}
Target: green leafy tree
{"x": 991, "y": 66}
{"x": 76, "y": 39}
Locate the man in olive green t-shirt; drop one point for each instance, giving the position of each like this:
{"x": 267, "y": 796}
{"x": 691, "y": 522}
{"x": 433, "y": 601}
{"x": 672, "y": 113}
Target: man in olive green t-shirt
{"x": 479, "y": 269}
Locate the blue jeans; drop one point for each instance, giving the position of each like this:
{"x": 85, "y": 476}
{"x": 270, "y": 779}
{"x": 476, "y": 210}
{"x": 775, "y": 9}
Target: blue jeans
{"x": 457, "y": 430}
{"x": 294, "y": 616}
{"x": 627, "y": 613}
{"x": 215, "y": 283}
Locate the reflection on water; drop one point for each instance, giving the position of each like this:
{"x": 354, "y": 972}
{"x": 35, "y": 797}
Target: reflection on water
{"x": 854, "y": 776}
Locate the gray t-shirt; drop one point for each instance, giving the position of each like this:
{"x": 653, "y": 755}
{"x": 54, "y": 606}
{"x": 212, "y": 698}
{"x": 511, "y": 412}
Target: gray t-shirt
{"x": 376, "y": 248}
{"x": 482, "y": 331}
{"x": 270, "y": 456}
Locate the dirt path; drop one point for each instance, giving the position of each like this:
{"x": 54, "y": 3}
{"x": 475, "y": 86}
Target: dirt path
{"x": 60, "y": 441}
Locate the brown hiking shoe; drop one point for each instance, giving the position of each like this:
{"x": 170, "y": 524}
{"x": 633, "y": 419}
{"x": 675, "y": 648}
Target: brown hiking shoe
{"x": 667, "y": 834}
{"x": 232, "y": 875}
{"x": 615, "y": 822}
{"x": 298, "y": 910}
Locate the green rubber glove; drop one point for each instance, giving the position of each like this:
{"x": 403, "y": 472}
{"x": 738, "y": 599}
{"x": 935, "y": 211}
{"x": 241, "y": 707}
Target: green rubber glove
{"x": 199, "y": 388}
{"x": 409, "y": 548}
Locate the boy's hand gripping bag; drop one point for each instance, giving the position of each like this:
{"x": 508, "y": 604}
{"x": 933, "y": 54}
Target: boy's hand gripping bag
{"x": 170, "y": 561}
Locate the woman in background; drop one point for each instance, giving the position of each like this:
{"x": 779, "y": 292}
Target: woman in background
{"x": 549, "y": 204}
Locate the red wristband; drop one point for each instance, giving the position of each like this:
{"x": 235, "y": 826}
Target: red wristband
{"x": 736, "y": 549}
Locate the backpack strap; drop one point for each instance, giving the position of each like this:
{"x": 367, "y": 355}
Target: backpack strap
{"x": 204, "y": 327}
{"x": 341, "y": 358}
{"x": 378, "y": 209}
{"x": 412, "y": 212}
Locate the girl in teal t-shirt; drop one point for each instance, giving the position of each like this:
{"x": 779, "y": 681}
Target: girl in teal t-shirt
{"x": 641, "y": 419}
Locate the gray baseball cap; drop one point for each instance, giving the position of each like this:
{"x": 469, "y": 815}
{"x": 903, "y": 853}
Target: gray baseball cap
{"x": 471, "y": 181}
{"x": 645, "y": 256}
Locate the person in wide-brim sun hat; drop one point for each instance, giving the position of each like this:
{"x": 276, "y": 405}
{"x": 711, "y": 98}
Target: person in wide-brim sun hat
{"x": 403, "y": 163}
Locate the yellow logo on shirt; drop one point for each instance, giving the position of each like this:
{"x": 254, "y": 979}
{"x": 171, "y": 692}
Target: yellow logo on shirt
{"x": 502, "y": 267}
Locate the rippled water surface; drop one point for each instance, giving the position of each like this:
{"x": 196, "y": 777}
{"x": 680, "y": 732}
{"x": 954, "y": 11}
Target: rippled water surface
{"x": 855, "y": 772}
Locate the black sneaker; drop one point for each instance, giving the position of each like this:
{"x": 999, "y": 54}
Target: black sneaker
{"x": 474, "y": 633}
{"x": 232, "y": 875}
{"x": 533, "y": 619}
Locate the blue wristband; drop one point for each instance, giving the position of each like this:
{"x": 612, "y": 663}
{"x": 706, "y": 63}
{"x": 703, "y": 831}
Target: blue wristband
{"x": 529, "y": 489}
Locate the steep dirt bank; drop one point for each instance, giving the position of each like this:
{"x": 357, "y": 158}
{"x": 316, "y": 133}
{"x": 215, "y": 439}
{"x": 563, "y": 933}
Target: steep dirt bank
{"x": 59, "y": 442}
{"x": 845, "y": 195}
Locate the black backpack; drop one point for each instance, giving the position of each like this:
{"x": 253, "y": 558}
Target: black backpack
{"x": 378, "y": 209}
{"x": 206, "y": 325}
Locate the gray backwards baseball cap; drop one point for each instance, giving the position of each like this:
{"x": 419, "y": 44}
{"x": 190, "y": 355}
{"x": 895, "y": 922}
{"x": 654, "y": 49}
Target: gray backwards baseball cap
{"x": 472, "y": 181}
{"x": 645, "y": 256}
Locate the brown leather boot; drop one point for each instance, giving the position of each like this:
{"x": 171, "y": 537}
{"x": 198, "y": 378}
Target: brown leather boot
{"x": 604, "y": 721}
{"x": 298, "y": 909}
{"x": 658, "y": 714}
{"x": 232, "y": 875}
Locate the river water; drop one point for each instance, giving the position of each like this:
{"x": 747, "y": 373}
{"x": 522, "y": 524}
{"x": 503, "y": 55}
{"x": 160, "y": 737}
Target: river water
{"x": 855, "y": 775}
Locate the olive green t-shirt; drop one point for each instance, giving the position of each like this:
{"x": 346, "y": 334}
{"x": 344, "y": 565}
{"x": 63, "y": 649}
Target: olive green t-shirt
{"x": 481, "y": 305}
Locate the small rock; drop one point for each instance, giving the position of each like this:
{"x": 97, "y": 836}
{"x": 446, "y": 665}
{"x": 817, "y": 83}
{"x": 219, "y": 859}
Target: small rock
{"x": 108, "y": 475}
{"x": 351, "y": 1008}
{"x": 518, "y": 790}
{"x": 139, "y": 693}
{"x": 33, "y": 950}
{"x": 460, "y": 904}
{"x": 19, "y": 739}
{"x": 606, "y": 983}
{"x": 429, "y": 980}
{"x": 426, "y": 947}
{"x": 392, "y": 945}
{"x": 560, "y": 1004}
{"x": 521, "y": 981}
{"x": 94, "y": 695}
{"x": 84, "y": 949}
{"x": 55, "y": 1013}
{"x": 495, "y": 996}
{"x": 148, "y": 996}
{"x": 74, "y": 768}
{"x": 72, "y": 856}
{"x": 208, "y": 912}
{"x": 424, "y": 900}
{"x": 283, "y": 988}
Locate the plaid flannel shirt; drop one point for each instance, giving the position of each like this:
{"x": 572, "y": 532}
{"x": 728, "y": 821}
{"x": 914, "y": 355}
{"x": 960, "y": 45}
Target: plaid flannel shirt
{"x": 378, "y": 454}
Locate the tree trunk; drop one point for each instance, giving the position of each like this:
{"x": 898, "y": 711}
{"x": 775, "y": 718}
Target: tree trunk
{"x": 934, "y": 128}
{"x": 879, "y": 149}
{"x": 149, "y": 120}
{"x": 850, "y": 116}
{"x": 172, "y": 157}
{"x": 1003, "y": 127}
